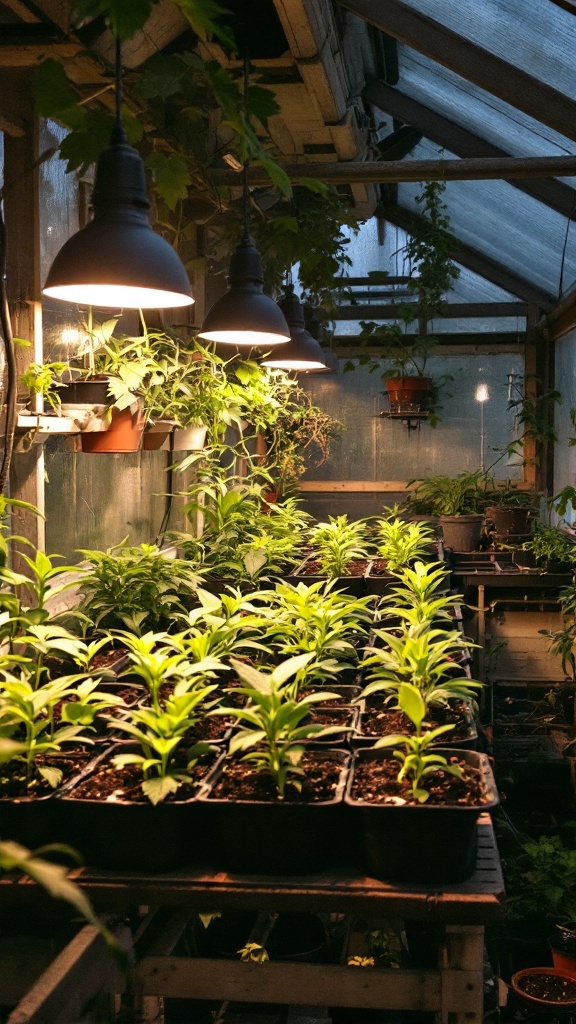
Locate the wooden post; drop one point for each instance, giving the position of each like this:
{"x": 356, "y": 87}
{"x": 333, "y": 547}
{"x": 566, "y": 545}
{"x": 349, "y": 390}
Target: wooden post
{"x": 537, "y": 380}
{"x": 22, "y": 217}
{"x": 463, "y": 951}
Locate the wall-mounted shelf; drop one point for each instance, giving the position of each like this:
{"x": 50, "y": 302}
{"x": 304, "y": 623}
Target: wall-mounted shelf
{"x": 405, "y": 417}
{"x": 37, "y": 427}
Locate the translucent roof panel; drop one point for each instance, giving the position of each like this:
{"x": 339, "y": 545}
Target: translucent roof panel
{"x": 471, "y": 107}
{"x": 506, "y": 225}
{"x": 538, "y": 37}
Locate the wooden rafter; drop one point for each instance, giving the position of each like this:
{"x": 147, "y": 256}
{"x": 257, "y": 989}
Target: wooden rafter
{"x": 451, "y": 310}
{"x": 380, "y": 171}
{"x": 479, "y": 263}
{"x": 470, "y": 61}
{"x": 464, "y": 143}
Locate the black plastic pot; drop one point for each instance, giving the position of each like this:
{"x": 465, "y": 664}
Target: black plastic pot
{"x": 126, "y": 835}
{"x": 425, "y": 843}
{"x": 354, "y": 585}
{"x": 467, "y": 740}
{"x": 30, "y": 820}
{"x": 274, "y": 837}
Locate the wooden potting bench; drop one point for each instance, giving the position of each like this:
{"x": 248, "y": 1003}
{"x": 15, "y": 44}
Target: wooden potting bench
{"x": 453, "y": 990}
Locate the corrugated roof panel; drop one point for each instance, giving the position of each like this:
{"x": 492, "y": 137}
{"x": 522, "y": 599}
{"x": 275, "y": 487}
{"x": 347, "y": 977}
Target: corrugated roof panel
{"x": 505, "y": 224}
{"x": 538, "y": 36}
{"x": 473, "y": 108}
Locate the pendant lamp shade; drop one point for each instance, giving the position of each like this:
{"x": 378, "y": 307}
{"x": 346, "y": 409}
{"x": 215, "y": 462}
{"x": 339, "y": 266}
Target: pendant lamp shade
{"x": 244, "y": 315}
{"x": 117, "y": 260}
{"x": 302, "y": 351}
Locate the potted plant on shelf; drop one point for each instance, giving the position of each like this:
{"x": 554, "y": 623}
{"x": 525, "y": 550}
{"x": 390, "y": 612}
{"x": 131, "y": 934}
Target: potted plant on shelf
{"x": 460, "y": 503}
{"x": 398, "y": 544}
{"x": 274, "y": 810}
{"x": 339, "y": 552}
{"x": 510, "y": 513}
{"x": 548, "y": 549}
{"x": 419, "y": 820}
{"x": 429, "y": 249}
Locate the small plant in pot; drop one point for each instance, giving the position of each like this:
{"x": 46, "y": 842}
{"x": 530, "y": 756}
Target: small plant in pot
{"x": 460, "y": 503}
{"x": 275, "y": 808}
{"x": 419, "y": 820}
{"x": 398, "y": 544}
{"x": 340, "y": 552}
{"x": 548, "y": 549}
{"x": 510, "y": 512}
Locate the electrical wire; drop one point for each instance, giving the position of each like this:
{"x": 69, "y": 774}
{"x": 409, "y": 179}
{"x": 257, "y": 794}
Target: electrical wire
{"x": 7, "y": 338}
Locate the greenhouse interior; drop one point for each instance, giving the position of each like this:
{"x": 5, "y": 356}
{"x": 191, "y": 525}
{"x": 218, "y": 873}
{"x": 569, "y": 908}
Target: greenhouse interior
{"x": 287, "y": 511}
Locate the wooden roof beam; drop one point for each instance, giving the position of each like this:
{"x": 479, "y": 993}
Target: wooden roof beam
{"x": 381, "y": 171}
{"x": 470, "y": 61}
{"x": 451, "y": 310}
{"x": 464, "y": 143}
{"x": 479, "y": 263}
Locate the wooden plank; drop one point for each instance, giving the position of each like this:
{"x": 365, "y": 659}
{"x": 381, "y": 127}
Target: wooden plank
{"x": 463, "y": 952}
{"x": 314, "y": 984}
{"x": 353, "y": 486}
{"x": 479, "y": 263}
{"x": 381, "y": 171}
{"x": 450, "y": 310}
{"x": 464, "y": 143}
{"x": 472, "y": 62}
{"x": 350, "y": 346}
{"x": 77, "y": 974}
{"x": 29, "y": 55}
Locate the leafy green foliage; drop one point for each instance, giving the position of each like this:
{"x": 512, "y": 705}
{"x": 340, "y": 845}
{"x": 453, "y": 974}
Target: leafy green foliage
{"x": 419, "y": 597}
{"x": 423, "y": 657}
{"x": 337, "y": 543}
{"x": 274, "y": 730}
{"x": 136, "y": 586}
{"x": 400, "y": 543}
{"x": 416, "y": 763}
{"x": 450, "y": 496}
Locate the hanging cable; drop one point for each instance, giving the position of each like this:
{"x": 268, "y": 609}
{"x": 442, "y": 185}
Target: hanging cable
{"x": 7, "y": 337}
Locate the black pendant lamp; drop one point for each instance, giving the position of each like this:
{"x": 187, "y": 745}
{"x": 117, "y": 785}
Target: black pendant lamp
{"x": 117, "y": 260}
{"x": 244, "y": 315}
{"x": 302, "y": 351}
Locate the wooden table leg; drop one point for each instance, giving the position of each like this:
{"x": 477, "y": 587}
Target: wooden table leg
{"x": 463, "y": 950}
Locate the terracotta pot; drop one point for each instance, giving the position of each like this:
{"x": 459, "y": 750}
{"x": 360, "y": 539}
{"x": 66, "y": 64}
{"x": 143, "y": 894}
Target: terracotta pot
{"x": 155, "y": 434}
{"x": 520, "y": 977}
{"x": 409, "y": 394}
{"x": 508, "y": 519}
{"x": 123, "y": 435}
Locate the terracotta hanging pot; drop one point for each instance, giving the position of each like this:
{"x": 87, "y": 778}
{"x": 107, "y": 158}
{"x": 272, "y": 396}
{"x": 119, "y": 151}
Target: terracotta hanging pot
{"x": 409, "y": 394}
{"x": 124, "y": 433}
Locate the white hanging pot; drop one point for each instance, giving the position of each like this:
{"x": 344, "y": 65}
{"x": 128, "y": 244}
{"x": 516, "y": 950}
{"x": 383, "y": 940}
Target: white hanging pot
{"x": 189, "y": 439}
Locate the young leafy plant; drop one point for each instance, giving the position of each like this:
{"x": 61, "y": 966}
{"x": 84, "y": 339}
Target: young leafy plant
{"x": 337, "y": 543}
{"x": 275, "y": 731}
{"x": 416, "y": 760}
{"x": 399, "y": 543}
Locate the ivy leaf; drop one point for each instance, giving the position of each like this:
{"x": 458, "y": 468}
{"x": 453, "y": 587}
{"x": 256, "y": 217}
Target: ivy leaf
{"x": 124, "y": 17}
{"x": 254, "y": 560}
{"x": 171, "y": 176}
{"x": 54, "y": 96}
{"x": 202, "y": 16}
{"x": 162, "y": 77}
{"x": 313, "y": 185}
{"x": 277, "y": 174}
{"x": 261, "y": 103}
{"x": 82, "y": 148}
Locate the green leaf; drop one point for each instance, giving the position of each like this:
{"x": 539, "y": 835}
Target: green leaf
{"x": 412, "y": 704}
{"x": 254, "y": 560}
{"x": 53, "y": 776}
{"x": 314, "y": 185}
{"x": 158, "y": 789}
{"x": 124, "y": 17}
{"x": 171, "y": 176}
{"x": 262, "y": 103}
{"x": 276, "y": 173}
{"x": 81, "y": 148}
{"x": 54, "y": 96}
{"x": 204, "y": 17}
{"x": 162, "y": 77}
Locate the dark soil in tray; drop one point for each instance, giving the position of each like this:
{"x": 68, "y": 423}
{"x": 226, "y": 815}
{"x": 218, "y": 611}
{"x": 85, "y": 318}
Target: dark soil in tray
{"x": 379, "y": 567}
{"x": 548, "y": 987}
{"x": 107, "y": 659}
{"x": 314, "y": 568}
{"x": 108, "y": 783}
{"x": 376, "y": 780}
{"x": 330, "y": 716}
{"x": 13, "y": 775}
{"x": 239, "y": 781}
{"x": 379, "y": 720}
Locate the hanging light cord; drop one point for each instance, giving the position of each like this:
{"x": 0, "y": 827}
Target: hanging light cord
{"x": 245, "y": 189}
{"x": 119, "y": 135}
{"x": 7, "y": 335}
